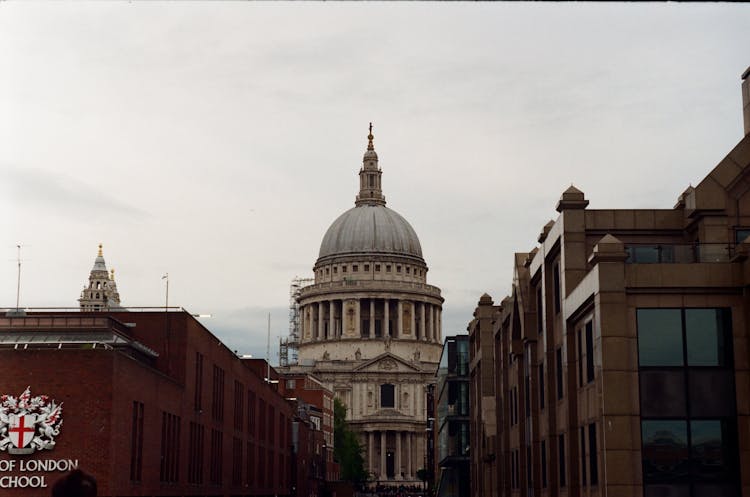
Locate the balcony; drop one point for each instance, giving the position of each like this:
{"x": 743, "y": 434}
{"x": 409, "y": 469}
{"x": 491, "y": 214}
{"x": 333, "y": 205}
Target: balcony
{"x": 685, "y": 253}
{"x": 352, "y": 285}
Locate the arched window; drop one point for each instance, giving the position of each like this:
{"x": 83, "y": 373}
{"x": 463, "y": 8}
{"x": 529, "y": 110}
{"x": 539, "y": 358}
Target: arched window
{"x": 97, "y": 294}
{"x": 98, "y": 285}
{"x": 387, "y": 395}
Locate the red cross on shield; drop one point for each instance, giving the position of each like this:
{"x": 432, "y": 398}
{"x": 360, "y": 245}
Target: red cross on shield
{"x": 21, "y": 429}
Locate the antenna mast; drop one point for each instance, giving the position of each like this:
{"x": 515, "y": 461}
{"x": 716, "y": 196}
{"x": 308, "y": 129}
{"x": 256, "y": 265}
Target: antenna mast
{"x": 18, "y": 286}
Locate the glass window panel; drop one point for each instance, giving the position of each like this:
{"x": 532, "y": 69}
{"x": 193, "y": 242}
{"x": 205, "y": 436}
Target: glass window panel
{"x": 711, "y": 392}
{"x": 708, "y": 451}
{"x": 663, "y": 394}
{"x": 705, "y": 337}
{"x": 741, "y": 234}
{"x": 665, "y": 451}
{"x": 646, "y": 254}
{"x": 715, "y": 490}
{"x": 666, "y": 253}
{"x": 666, "y": 491}
{"x": 660, "y": 337}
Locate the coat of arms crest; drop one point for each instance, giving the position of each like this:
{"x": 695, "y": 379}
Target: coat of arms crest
{"x": 27, "y": 423}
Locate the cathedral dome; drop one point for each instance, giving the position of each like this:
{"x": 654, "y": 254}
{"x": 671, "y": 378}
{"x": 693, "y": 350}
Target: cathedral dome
{"x": 370, "y": 228}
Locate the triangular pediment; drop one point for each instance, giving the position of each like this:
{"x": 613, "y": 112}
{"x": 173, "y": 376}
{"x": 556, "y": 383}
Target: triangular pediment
{"x": 387, "y": 362}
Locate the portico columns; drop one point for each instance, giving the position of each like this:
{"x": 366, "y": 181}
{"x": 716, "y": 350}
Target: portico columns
{"x": 409, "y": 462}
{"x": 383, "y": 475}
{"x": 386, "y": 318}
{"x": 398, "y": 455}
{"x": 370, "y": 450}
{"x": 372, "y": 318}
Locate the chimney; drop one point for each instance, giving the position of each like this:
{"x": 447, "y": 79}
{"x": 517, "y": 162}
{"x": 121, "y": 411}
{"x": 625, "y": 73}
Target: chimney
{"x": 746, "y": 99}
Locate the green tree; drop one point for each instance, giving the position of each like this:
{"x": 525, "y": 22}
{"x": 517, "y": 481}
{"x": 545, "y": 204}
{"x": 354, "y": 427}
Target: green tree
{"x": 347, "y": 450}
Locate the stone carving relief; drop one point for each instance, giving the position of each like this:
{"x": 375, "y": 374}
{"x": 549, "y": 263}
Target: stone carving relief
{"x": 358, "y": 355}
{"x": 326, "y": 356}
{"x": 388, "y": 364}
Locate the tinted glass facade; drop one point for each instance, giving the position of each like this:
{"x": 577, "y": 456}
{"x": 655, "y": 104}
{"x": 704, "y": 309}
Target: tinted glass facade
{"x": 452, "y": 418}
{"x": 688, "y": 412}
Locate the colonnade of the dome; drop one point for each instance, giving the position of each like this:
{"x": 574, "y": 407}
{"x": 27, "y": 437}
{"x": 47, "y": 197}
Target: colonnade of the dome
{"x": 370, "y": 318}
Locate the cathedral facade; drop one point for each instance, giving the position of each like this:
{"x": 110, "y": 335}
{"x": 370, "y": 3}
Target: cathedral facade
{"x": 370, "y": 328}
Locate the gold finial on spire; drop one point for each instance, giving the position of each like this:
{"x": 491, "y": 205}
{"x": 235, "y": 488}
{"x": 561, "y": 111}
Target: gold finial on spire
{"x": 100, "y": 250}
{"x": 370, "y": 146}
{"x": 112, "y": 274}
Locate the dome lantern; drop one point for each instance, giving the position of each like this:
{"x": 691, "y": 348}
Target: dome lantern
{"x": 370, "y": 189}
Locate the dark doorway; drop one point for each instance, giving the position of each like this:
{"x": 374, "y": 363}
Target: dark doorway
{"x": 389, "y": 464}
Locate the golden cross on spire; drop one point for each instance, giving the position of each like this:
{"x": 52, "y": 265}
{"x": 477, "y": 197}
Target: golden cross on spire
{"x": 370, "y": 146}
{"x": 100, "y": 250}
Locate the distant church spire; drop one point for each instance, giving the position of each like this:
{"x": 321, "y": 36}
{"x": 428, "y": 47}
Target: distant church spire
{"x": 101, "y": 293}
{"x": 370, "y": 190}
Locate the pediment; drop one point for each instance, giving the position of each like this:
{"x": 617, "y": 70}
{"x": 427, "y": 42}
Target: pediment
{"x": 387, "y": 362}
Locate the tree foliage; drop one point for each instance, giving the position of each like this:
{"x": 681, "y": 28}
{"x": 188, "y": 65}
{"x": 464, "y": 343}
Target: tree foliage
{"x": 347, "y": 450}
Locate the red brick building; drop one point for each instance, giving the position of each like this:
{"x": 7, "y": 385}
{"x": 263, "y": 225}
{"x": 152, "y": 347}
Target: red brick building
{"x": 152, "y": 404}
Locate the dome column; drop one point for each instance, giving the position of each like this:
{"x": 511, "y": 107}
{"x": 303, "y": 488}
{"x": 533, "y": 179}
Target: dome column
{"x": 321, "y": 320}
{"x": 413, "y": 314}
{"x": 438, "y": 337}
{"x": 331, "y": 319}
{"x": 433, "y": 319}
{"x": 301, "y": 323}
{"x": 421, "y": 321}
{"x": 400, "y": 329}
{"x": 372, "y": 318}
{"x": 358, "y": 319}
{"x": 386, "y": 318}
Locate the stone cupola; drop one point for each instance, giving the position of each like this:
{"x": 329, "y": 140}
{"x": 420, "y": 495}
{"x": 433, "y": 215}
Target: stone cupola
{"x": 101, "y": 292}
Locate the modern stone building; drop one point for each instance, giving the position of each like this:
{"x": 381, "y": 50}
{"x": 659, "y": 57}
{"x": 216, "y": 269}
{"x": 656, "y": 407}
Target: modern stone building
{"x": 620, "y": 363}
{"x": 370, "y": 327}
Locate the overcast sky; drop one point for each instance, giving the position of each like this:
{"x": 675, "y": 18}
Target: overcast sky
{"x": 218, "y": 141}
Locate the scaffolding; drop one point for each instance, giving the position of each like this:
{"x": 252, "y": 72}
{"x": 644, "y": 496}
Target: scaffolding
{"x": 289, "y": 346}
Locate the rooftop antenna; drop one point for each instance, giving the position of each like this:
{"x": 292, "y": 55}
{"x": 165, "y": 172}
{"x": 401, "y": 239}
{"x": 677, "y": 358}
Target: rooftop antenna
{"x": 17, "y": 311}
{"x": 18, "y": 286}
{"x": 268, "y": 351}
